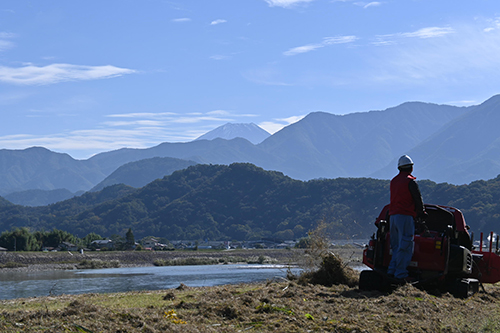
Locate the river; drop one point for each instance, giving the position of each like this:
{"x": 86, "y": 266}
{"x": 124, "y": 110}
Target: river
{"x": 46, "y": 283}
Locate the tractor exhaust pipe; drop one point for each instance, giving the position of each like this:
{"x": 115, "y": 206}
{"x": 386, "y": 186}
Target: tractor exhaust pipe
{"x": 481, "y": 243}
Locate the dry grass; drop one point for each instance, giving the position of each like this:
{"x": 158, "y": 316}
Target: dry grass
{"x": 266, "y": 307}
{"x": 325, "y": 300}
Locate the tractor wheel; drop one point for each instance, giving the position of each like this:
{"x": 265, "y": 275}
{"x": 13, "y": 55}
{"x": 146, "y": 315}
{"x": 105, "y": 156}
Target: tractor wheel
{"x": 370, "y": 280}
{"x": 466, "y": 287}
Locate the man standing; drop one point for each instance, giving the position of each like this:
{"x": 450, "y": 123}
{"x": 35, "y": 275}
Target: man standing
{"x": 406, "y": 204}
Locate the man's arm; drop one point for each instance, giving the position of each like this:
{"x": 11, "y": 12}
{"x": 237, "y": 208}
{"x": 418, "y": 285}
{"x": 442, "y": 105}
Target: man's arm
{"x": 417, "y": 198}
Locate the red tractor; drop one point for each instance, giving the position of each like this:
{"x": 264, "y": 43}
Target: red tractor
{"x": 443, "y": 255}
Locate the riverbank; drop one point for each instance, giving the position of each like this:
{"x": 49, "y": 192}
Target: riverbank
{"x": 37, "y": 261}
{"x": 280, "y": 306}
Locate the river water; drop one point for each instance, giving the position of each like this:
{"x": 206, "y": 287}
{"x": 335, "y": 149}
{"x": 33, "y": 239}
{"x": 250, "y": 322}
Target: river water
{"x": 45, "y": 283}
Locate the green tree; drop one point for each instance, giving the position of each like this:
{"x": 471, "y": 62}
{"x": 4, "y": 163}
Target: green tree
{"x": 20, "y": 239}
{"x": 118, "y": 241}
{"x": 55, "y": 237}
{"x": 87, "y": 240}
{"x": 129, "y": 239}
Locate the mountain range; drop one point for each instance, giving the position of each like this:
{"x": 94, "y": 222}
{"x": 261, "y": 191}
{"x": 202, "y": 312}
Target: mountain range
{"x": 447, "y": 143}
{"x": 243, "y": 202}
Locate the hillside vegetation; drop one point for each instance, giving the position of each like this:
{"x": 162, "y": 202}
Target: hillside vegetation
{"x": 244, "y": 202}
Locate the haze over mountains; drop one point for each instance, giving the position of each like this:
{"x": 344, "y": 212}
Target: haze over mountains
{"x": 447, "y": 143}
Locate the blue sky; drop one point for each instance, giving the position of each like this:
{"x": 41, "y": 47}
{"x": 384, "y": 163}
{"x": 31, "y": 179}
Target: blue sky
{"x": 83, "y": 77}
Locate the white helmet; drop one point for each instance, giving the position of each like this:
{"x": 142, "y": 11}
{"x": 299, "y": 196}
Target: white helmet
{"x": 404, "y": 161}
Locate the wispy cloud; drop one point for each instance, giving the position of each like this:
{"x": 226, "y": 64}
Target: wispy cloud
{"x": 428, "y": 32}
{"x": 279, "y": 123}
{"x": 166, "y": 119}
{"x": 133, "y": 130}
{"x": 220, "y": 21}
{"x": 5, "y": 41}
{"x": 465, "y": 53}
{"x": 326, "y": 41}
{"x": 372, "y": 4}
{"x": 492, "y": 25}
{"x": 181, "y": 20}
{"x": 285, "y": 3}
{"x": 55, "y": 73}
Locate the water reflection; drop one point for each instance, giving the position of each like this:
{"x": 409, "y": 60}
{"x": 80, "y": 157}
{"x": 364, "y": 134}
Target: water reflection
{"x": 43, "y": 283}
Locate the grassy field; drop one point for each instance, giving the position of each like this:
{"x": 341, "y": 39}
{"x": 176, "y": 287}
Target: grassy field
{"x": 280, "y": 306}
{"x": 293, "y": 305}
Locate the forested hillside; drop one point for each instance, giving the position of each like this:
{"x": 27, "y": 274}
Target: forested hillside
{"x": 244, "y": 202}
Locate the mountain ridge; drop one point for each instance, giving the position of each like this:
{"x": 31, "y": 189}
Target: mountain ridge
{"x": 321, "y": 145}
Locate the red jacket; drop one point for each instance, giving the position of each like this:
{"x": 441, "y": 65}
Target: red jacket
{"x": 402, "y": 200}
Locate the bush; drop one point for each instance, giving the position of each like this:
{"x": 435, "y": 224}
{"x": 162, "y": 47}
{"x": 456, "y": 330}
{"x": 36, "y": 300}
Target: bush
{"x": 98, "y": 263}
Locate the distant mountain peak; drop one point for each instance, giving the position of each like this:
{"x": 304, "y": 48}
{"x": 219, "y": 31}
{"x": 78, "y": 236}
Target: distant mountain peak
{"x": 248, "y": 131}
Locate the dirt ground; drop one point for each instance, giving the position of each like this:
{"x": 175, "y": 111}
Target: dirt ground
{"x": 281, "y": 305}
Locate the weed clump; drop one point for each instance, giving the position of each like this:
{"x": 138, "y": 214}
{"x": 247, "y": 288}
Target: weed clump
{"x": 12, "y": 264}
{"x": 321, "y": 266}
{"x": 97, "y": 264}
{"x": 332, "y": 271}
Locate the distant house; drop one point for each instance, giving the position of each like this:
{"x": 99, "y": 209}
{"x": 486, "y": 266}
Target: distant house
{"x": 66, "y": 246}
{"x": 149, "y": 243}
{"x": 101, "y": 244}
{"x": 153, "y": 244}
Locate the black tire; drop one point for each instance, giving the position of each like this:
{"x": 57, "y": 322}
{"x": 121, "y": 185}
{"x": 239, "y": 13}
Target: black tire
{"x": 371, "y": 280}
{"x": 466, "y": 287}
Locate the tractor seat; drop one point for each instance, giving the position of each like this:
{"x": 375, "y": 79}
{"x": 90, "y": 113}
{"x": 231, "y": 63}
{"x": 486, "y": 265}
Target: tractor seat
{"x": 439, "y": 219}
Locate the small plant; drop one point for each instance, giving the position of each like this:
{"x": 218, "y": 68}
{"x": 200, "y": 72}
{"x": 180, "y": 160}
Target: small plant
{"x": 160, "y": 262}
{"x": 268, "y": 308}
{"x": 172, "y": 316}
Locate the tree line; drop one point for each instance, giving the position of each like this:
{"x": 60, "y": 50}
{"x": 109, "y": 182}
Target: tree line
{"x": 244, "y": 202}
{"x": 22, "y": 239}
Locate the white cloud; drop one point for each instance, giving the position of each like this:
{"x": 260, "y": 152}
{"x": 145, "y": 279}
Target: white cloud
{"x": 50, "y": 74}
{"x": 219, "y": 112}
{"x": 279, "y": 123}
{"x": 461, "y": 54}
{"x": 429, "y": 32}
{"x": 366, "y": 5}
{"x": 285, "y": 3}
{"x": 302, "y": 49}
{"x": 326, "y": 41}
{"x": 132, "y": 130}
{"x": 217, "y": 22}
{"x": 339, "y": 40}
{"x": 181, "y": 20}
{"x": 372, "y": 4}
{"x": 493, "y": 24}
{"x": 5, "y": 43}
{"x": 149, "y": 115}
{"x": 168, "y": 118}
